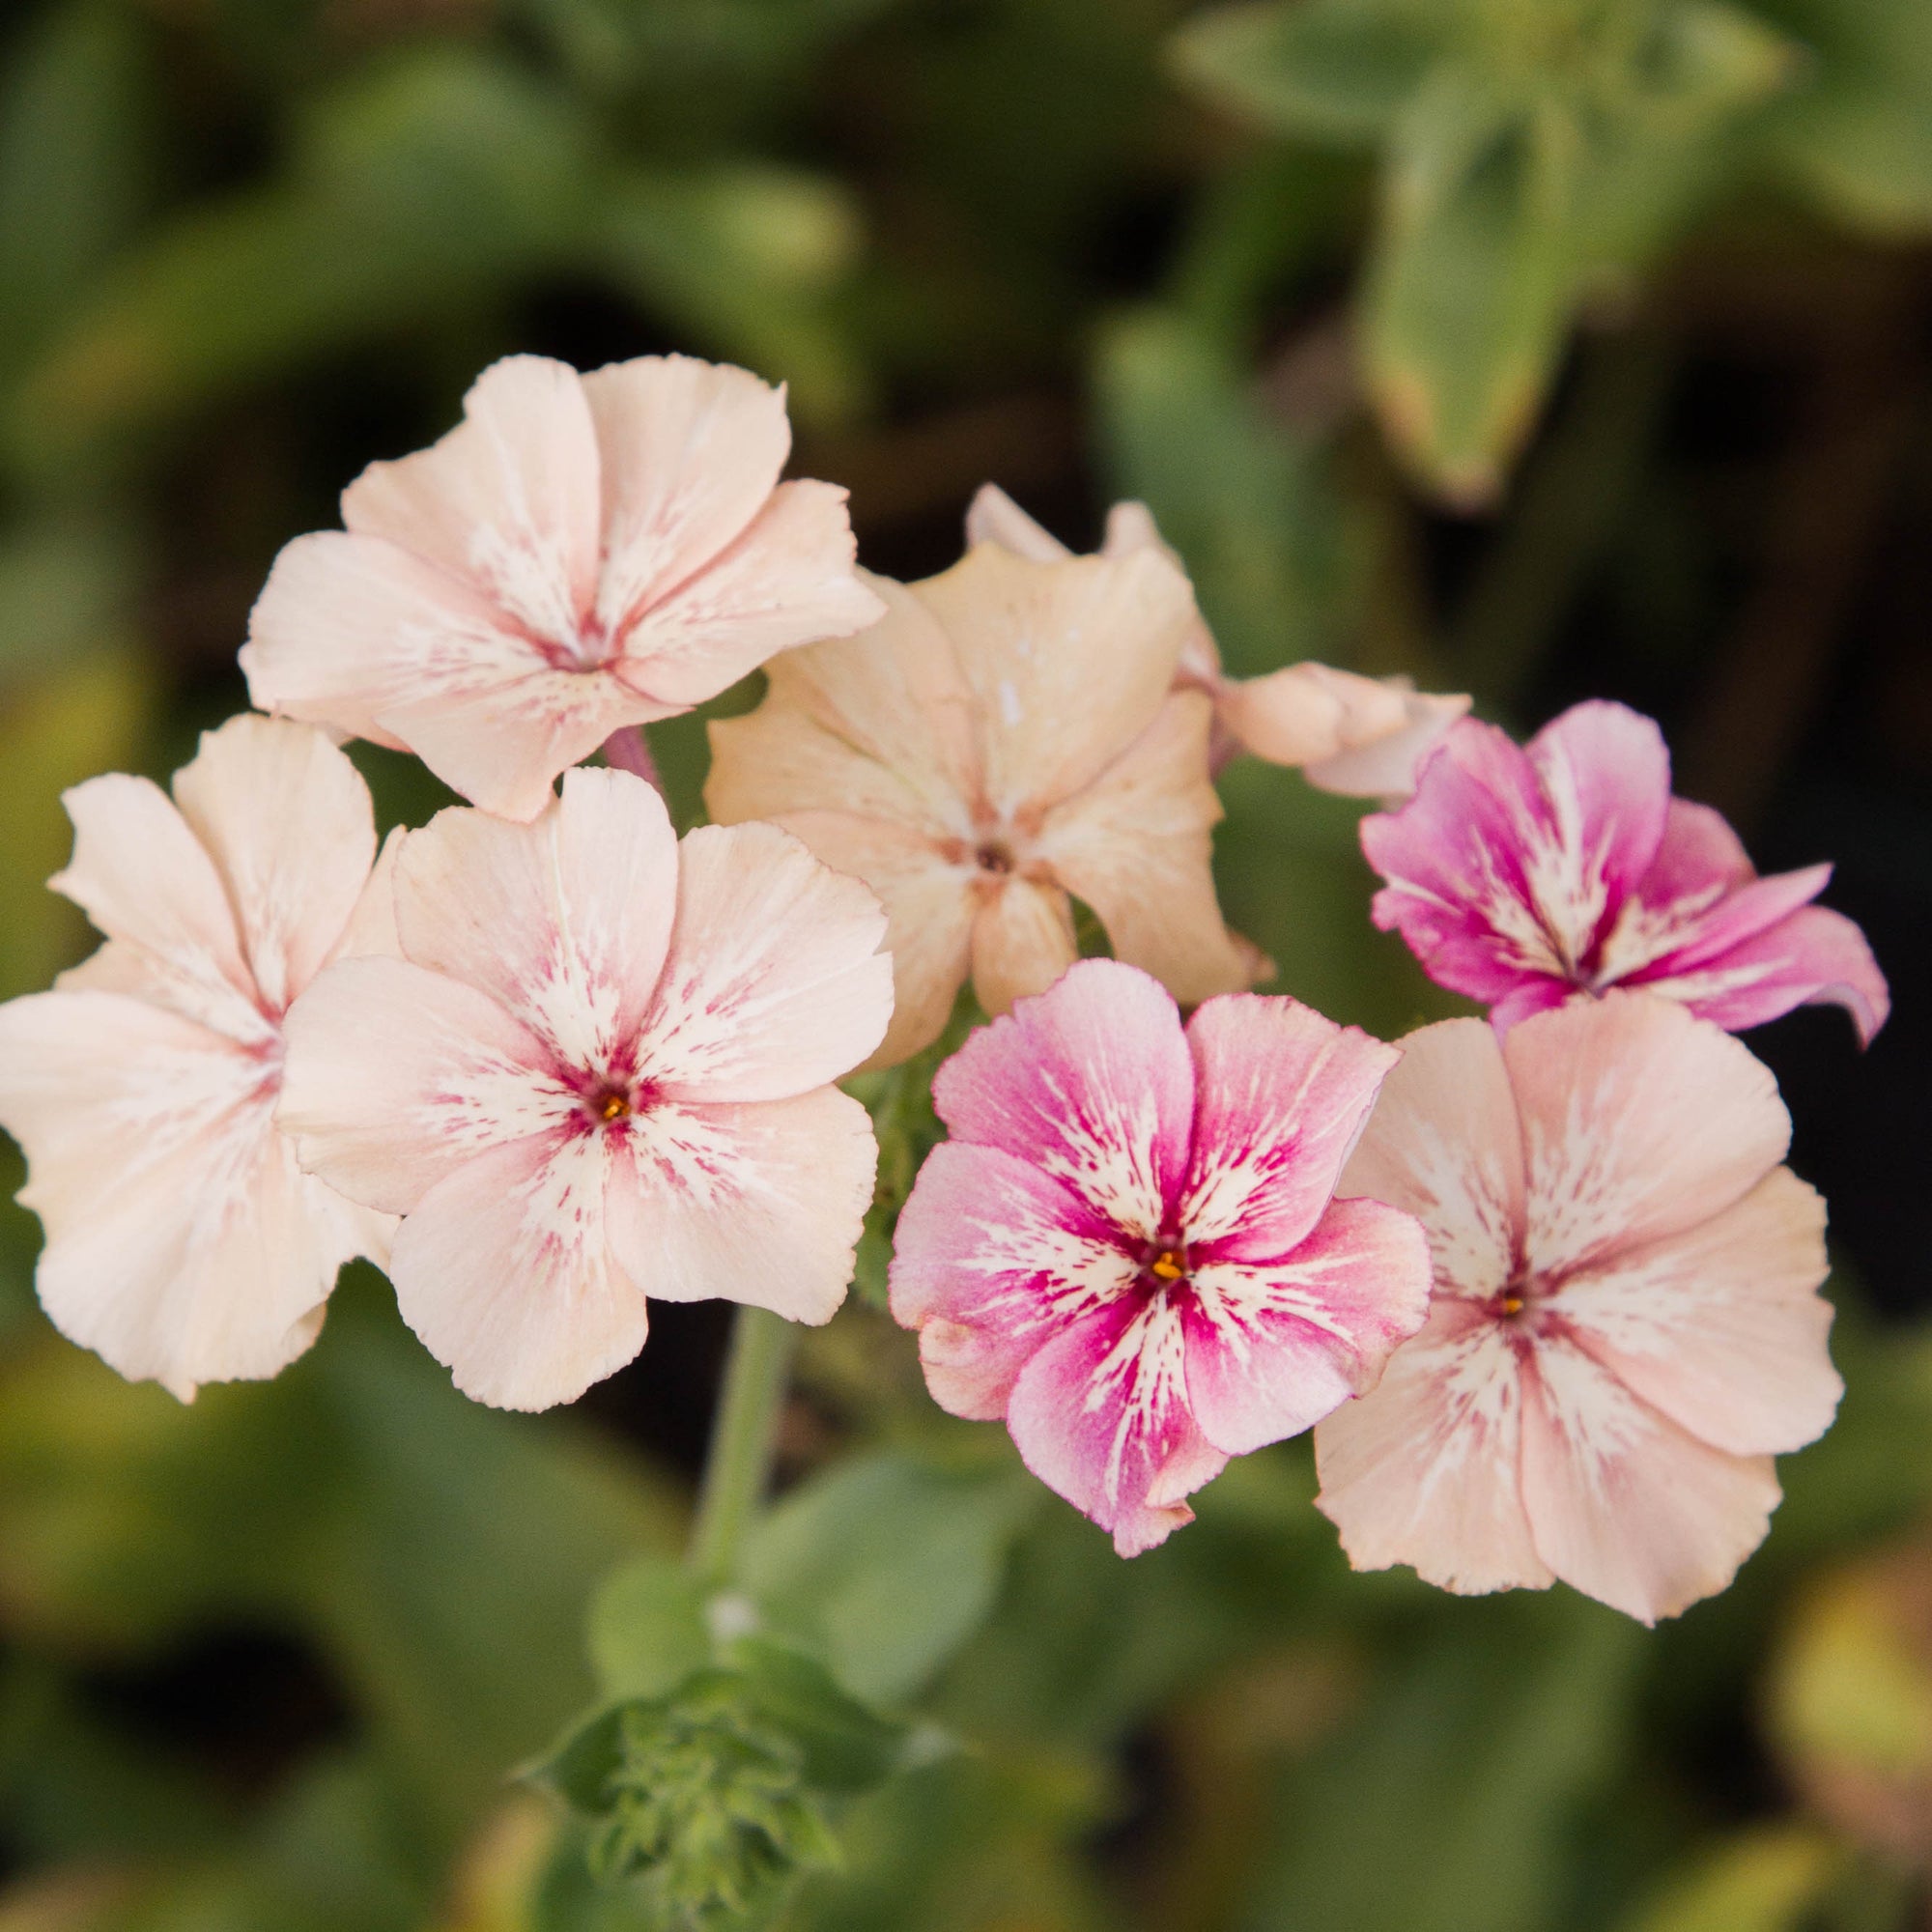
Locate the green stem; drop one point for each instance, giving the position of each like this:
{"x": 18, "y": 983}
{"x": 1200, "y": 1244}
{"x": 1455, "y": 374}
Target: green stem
{"x": 740, "y": 1458}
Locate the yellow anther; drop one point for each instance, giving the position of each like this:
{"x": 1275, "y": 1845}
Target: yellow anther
{"x": 614, "y": 1107}
{"x": 1168, "y": 1265}
{"x": 1511, "y": 1304}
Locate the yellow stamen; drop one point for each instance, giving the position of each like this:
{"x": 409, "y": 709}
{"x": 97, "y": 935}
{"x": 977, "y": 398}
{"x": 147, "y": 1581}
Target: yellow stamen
{"x": 1511, "y": 1304}
{"x": 614, "y": 1107}
{"x": 1168, "y": 1265}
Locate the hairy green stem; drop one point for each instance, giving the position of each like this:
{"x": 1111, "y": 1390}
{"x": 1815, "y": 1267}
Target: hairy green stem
{"x": 740, "y": 1458}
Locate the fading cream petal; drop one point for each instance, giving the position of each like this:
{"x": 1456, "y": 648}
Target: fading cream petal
{"x": 1022, "y": 942}
{"x": 1639, "y": 1122}
{"x": 1721, "y": 1328}
{"x": 287, "y": 820}
{"x": 761, "y": 1204}
{"x": 1068, "y": 663}
{"x": 505, "y": 1275}
{"x": 1443, "y": 1144}
{"x": 1624, "y": 1505}
{"x": 689, "y": 453}
{"x": 397, "y": 1076}
{"x": 1424, "y": 1468}
{"x": 774, "y": 983}
{"x": 1136, "y": 844}
{"x": 564, "y": 922}
{"x": 507, "y": 500}
{"x": 993, "y": 517}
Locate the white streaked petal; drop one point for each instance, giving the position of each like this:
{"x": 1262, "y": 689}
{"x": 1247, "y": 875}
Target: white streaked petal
{"x": 761, "y": 1204}
{"x": 1424, "y": 1468}
{"x": 505, "y": 1275}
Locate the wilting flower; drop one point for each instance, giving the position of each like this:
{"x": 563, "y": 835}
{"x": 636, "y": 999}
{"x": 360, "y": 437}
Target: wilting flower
{"x": 1626, "y": 1325}
{"x": 1129, "y": 1248}
{"x": 580, "y": 554}
{"x": 1525, "y": 876}
{"x": 1006, "y": 736}
{"x": 598, "y": 1072}
{"x": 1361, "y": 736}
{"x": 184, "y": 1245}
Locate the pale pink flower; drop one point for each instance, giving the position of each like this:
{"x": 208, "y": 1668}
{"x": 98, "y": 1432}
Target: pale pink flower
{"x": 1363, "y": 737}
{"x": 1525, "y": 876}
{"x": 580, "y": 554}
{"x": 1129, "y": 1248}
{"x": 599, "y": 1072}
{"x": 184, "y": 1245}
{"x": 1006, "y": 736}
{"x": 1626, "y": 1325}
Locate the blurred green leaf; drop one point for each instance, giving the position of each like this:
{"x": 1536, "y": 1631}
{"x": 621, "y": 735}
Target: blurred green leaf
{"x": 647, "y": 1629}
{"x": 1326, "y": 70}
{"x": 64, "y": 586}
{"x": 886, "y": 1564}
{"x": 1767, "y": 1880}
{"x": 1859, "y": 134}
{"x": 75, "y": 158}
{"x": 1447, "y": 1803}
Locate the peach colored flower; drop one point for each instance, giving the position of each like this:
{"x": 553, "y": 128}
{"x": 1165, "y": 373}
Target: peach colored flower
{"x": 1129, "y": 1250}
{"x": 1364, "y": 737}
{"x": 1626, "y": 1325}
{"x": 184, "y": 1244}
{"x": 598, "y": 1072}
{"x": 580, "y": 554}
{"x": 1007, "y": 735}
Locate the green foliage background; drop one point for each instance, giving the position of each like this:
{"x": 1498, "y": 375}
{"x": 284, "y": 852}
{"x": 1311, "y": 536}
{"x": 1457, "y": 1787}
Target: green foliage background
{"x": 1318, "y": 279}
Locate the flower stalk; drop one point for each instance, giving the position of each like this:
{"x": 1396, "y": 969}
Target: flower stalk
{"x": 738, "y": 1463}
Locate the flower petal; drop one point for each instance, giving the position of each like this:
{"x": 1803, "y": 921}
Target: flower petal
{"x": 1814, "y": 956}
{"x": 1022, "y": 942}
{"x": 1069, "y": 663}
{"x": 1135, "y": 844}
{"x": 504, "y": 1272}
{"x": 1272, "y": 1347}
{"x": 1443, "y": 1144}
{"x": 993, "y": 517}
{"x": 930, "y": 905}
{"x": 991, "y": 1257}
{"x": 508, "y": 501}
{"x": 774, "y": 983}
{"x": 1721, "y": 1328}
{"x": 1624, "y": 1505}
{"x": 144, "y": 879}
{"x": 1606, "y": 777}
{"x": 183, "y": 1246}
{"x": 1384, "y": 761}
{"x": 287, "y": 820}
{"x": 1639, "y": 1122}
{"x": 1100, "y": 1416}
{"x": 1424, "y": 1468}
{"x": 786, "y": 580}
{"x": 1289, "y": 716}
{"x": 689, "y": 452}
{"x": 565, "y": 922}
{"x": 761, "y": 1204}
{"x": 884, "y": 724}
{"x": 1090, "y": 1083}
{"x": 397, "y": 1076}
{"x": 1281, "y": 1098}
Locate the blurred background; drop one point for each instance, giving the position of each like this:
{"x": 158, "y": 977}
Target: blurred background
{"x": 1537, "y": 348}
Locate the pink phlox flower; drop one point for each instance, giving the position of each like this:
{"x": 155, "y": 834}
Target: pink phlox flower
{"x": 1129, "y": 1247}
{"x": 598, "y": 1072}
{"x": 1525, "y": 876}
{"x": 1363, "y": 737}
{"x": 1626, "y": 1325}
{"x": 184, "y": 1245}
{"x": 580, "y": 554}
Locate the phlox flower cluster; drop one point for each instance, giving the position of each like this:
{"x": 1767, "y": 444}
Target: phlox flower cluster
{"x": 1541, "y": 1285}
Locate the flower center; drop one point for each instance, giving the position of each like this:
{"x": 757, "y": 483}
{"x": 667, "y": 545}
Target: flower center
{"x": 1170, "y": 1264}
{"x": 609, "y": 1104}
{"x": 994, "y": 857}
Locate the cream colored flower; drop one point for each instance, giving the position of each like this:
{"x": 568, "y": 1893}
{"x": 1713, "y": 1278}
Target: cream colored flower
{"x": 1009, "y": 735}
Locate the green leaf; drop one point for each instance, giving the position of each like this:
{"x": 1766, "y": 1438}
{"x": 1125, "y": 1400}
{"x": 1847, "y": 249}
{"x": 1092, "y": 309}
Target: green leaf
{"x": 1770, "y": 1879}
{"x": 1857, "y": 136}
{"x": 846, "y": 1746}
{"x": 1471, "y": 279}
{"x": 1337, "y": 70}
{"x": 886, "y": 1564}
{"x": 647, "y": 1629}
